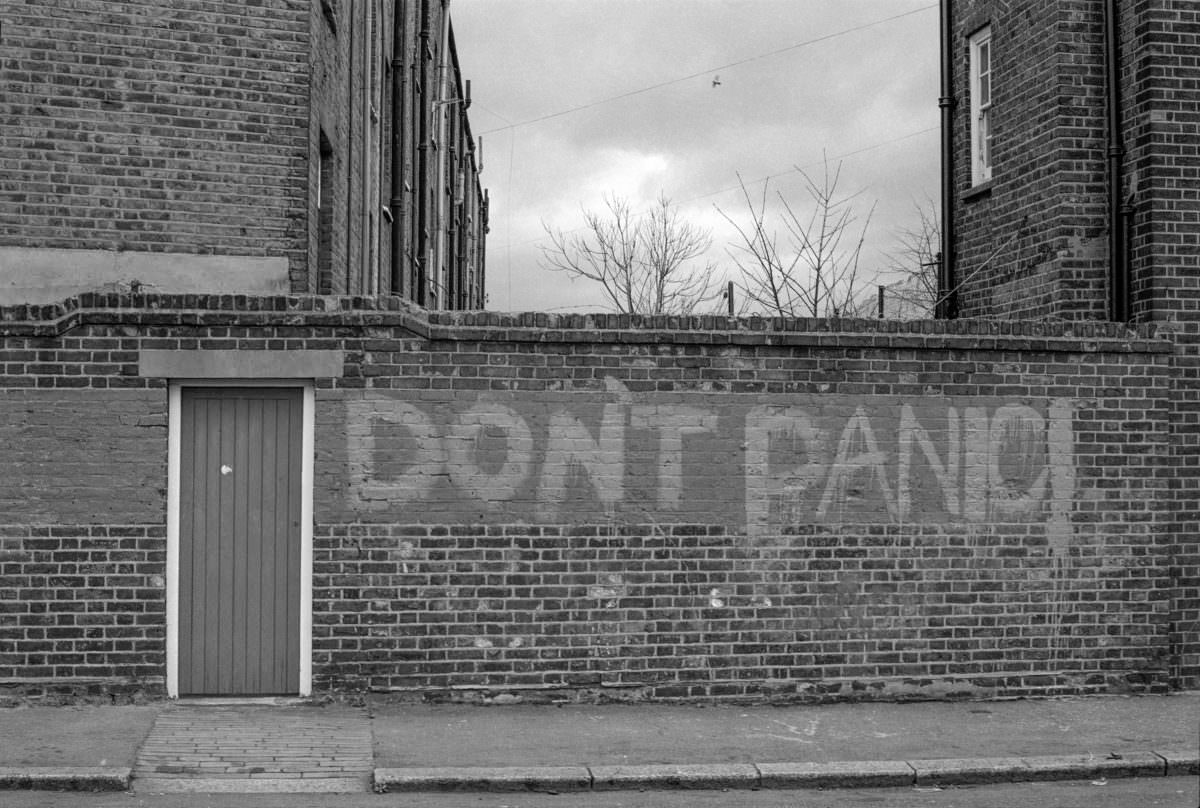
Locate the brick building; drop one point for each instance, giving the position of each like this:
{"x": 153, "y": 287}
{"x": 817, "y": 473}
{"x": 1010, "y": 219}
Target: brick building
{"x": 293, "y": 490}
{"x": 1073, "y": 159}
{"x": 189, "y": 147}
{"x": 1071, "y": 188}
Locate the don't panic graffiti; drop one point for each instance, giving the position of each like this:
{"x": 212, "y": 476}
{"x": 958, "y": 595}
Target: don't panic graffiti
{"x": 762, "y": 462}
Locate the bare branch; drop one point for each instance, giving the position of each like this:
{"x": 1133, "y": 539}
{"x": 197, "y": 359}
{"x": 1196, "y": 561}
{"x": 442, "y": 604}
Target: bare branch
{"x": 915, "y": 261}
{"x": 644, "y": 263}
{"x": 814, "y": 272}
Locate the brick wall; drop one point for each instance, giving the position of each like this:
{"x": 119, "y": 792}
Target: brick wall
{"x": 1162, "y": 94}
{"x": 1165, "y": 76}
{"x": 82, "y": 609}
{"x": 146, "y": 141}
{"x": 1043, "y": 221}
{"x": 1185, "y": 488}
{"x": 332, "y": 91}
{"x": 1031, "y": 243}
{"x": 68, "y": 461}
{"x": 619, "y": 507}
{"x": 685, "y": 515}
{"x": 162, "y": 127}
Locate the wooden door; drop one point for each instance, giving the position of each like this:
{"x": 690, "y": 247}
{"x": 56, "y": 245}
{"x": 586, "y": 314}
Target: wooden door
{"x": 239, "y": 540}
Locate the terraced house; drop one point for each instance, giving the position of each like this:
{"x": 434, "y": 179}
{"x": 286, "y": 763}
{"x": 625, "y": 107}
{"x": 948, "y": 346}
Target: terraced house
{"x": 261, "y": 437}
{"x": 226, "y": 148}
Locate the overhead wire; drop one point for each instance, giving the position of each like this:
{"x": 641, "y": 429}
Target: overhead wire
{"x": 510, "y": 126}
{"x": 709, "y": 71}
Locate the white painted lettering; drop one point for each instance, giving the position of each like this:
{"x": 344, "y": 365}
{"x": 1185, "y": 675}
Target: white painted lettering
{"x": 672, "y": 424}
{"x": 857, "y": 438}
{"x": 1016, "y": 448}
{"x": 401, "y": 432}
{"x": 975, "y": 464}
{"x": 946, "y": 473}
{"x": 467, "y": 449}
{"x": 572, "y": 450}
{"x": 791, "y": 431}
{"x": 1060, "y": 445}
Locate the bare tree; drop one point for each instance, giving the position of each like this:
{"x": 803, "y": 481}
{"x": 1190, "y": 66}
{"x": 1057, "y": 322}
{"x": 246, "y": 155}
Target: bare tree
{"x": 914, "y": 262}
{"x": 643, "y": 262}
{"x": 811, "y": 270}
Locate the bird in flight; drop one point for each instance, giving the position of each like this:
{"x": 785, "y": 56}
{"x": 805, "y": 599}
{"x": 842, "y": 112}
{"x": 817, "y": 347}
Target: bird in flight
{"x": 716, "y": 80}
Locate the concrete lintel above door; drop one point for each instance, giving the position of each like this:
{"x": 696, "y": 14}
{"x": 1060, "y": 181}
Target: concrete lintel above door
{"x": 241, "y": 364}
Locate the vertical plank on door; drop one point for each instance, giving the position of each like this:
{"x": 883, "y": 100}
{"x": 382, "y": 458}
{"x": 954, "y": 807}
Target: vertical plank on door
{"x": 239, "y": 557}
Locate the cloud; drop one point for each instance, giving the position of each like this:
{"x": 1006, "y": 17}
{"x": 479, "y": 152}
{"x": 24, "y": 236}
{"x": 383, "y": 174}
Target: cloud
{"x": 617, "y": 108}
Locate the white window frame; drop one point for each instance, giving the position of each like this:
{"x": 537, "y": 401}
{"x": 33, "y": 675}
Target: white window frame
{"x": 982, "y": 94}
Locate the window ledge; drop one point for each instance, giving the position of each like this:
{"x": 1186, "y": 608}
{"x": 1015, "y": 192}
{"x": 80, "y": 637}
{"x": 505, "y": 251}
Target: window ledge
{"x": 980, "y": 191}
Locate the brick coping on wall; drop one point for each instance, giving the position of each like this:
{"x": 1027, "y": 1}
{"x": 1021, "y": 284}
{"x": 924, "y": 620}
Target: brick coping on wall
{"x": 53, "y": 320}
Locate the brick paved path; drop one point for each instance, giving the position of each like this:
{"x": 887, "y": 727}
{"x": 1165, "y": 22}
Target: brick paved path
{"x": 256, "y": 748}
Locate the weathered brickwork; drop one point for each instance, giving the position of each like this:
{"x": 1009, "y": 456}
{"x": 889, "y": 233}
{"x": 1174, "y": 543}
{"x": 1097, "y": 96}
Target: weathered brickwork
{"x": 1164, "y": 87}
{"x": 136, "y": 126}
{"x": 612, "y": 507}
{"x": 695, "y": 610}
{"x": 1185, "y": 487}
{"x": 143, "y": 142}
{"x": 1034, "y": 242}
{"x": 68, "y": 461}
{"x": 1162, "y": 82}
{"x": 83, "y": 608}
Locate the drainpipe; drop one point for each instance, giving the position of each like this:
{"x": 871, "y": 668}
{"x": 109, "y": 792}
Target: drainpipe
{"x": 396, "y": 204}
{"x": 1118, "y": 249}
{"x": 421, "y": 181}
{"x": 350, "y": 156}
{"x": 481, "y": 245}
{"x": 442, "y": 130}
{"x": 947, "y": 298}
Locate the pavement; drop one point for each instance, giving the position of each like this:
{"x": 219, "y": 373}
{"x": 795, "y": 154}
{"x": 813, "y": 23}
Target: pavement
{"x": 333, "y": 747}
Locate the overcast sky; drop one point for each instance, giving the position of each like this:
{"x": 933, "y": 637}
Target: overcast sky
{"x": 578, "y": 98}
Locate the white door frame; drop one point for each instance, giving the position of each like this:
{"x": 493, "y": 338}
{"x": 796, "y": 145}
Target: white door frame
{"x": 174, "y": 439}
